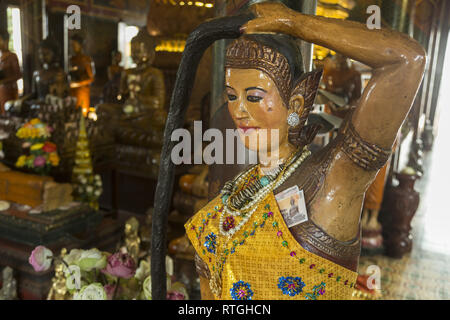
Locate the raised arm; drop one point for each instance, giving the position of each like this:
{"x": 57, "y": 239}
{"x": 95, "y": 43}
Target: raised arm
{"x": 398, "y": 62}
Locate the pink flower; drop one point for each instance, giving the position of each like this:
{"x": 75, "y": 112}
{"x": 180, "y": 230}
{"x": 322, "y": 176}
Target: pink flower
{"x": 120, "y": 265}
{"x": 41, "y": 258}
{"x": 39, "y": 161}
{"x": 175, "y": 295}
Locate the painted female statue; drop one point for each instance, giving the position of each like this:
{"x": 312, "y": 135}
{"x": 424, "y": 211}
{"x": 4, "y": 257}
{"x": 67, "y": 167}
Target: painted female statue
{"x": 245, "y": 249}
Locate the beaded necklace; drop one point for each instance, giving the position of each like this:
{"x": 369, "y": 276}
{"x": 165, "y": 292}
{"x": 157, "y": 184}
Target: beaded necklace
{"x": 284, "y": 173}
{"x": 254, "y": 193}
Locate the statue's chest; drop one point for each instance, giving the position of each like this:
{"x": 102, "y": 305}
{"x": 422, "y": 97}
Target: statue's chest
{"x": 139, "y": 82}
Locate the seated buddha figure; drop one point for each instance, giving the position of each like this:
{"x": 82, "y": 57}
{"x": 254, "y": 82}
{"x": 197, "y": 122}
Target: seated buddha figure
{"x": 49, "y": 74}
{"x": 142, "y": 87}
{"x": 245, "y": 249}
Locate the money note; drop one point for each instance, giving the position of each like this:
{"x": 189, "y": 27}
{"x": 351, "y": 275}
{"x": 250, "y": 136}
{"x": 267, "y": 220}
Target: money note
{"x": 291, "y": 203}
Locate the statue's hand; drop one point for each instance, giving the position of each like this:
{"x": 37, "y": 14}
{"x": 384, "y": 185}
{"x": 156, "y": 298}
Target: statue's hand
{"x": 271, "y": 17}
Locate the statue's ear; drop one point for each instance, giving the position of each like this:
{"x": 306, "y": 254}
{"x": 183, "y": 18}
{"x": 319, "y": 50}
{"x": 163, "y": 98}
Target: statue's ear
{"x": 296, "y": 103}
{"x": 307, "y": 86}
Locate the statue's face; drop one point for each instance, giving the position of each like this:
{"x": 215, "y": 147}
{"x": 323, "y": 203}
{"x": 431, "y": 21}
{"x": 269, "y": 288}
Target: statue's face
{"x": 45, "y": 55}
{"x": 141, "y": 54}
{"x": 76, "y": 46}
{"x": 3, "y": 44}
{"x": 254, "y": 103}
{"x": 117, "y": 58}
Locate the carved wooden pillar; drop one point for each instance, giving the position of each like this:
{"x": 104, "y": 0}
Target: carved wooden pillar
{"x": 31, "y": 37}
{"x": 3, "y": 18}
{"x": 436, "y": 60}
{"x": 397, "y": 14}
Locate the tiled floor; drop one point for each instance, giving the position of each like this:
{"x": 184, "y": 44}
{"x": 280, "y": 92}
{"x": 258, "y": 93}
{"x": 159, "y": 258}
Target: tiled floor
{"x": 425, "y": 273}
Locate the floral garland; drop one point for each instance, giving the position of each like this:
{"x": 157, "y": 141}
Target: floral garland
{"x": 40, "y": 154}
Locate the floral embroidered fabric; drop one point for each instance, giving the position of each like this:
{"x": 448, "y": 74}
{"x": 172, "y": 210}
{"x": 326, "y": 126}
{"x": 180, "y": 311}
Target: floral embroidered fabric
{"x": 263, "y": 260}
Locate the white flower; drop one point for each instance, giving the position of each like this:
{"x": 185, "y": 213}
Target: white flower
{"x": 73, "y": 277}
{"x": 94, "y": 291}
{"x": 169, "y": 265}
{"x": 143, "y": 271}
{"x": 89, "y": 189}
{"x": 97, "y": 193}
{"x": 91, "y": 259}
{"x": 147, "y": 287}
{"x": 73, "y": 256}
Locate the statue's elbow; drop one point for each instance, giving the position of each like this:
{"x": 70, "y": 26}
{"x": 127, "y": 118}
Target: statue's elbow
{"x": 416, "y": 59}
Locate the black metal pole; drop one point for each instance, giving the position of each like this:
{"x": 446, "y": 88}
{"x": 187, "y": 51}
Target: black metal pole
{"x": 198, "y": 41}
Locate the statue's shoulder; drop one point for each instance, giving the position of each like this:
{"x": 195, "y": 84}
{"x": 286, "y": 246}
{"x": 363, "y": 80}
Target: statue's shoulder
{"x": 155, "y": 72}
{"x": 8, "y": 56}
{"x": 209, "y": 212}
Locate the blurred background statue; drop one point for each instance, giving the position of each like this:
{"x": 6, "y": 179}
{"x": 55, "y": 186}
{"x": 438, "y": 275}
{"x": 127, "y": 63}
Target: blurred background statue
{"x": 111, "y": 90}
{"x": 9, "y": 289}
{"x": 49, "y": 78}
{"x": 9, "y": 72}
{"x": 142, "y": 87}
{"x": 82, "y": 73}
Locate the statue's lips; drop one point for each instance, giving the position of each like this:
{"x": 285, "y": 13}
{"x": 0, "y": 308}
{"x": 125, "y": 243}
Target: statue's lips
{"x": 247, "y": 130}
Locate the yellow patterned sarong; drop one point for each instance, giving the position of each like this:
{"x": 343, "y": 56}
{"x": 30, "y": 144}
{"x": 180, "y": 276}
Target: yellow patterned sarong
{"x": 263, "y": 261}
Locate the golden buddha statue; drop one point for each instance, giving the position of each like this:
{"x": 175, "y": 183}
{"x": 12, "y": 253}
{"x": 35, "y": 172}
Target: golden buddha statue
{"x": 59, "y": 291}
{"x": 142, "y": 87}
{"x": 9, "y": 285}
{"x": 82, "y": 73}
{"x": 132, "y": 239}
{"x": 244, "y": 246}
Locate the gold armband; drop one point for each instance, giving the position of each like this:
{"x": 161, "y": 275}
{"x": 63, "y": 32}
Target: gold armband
{"x": 364, "y": 154}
